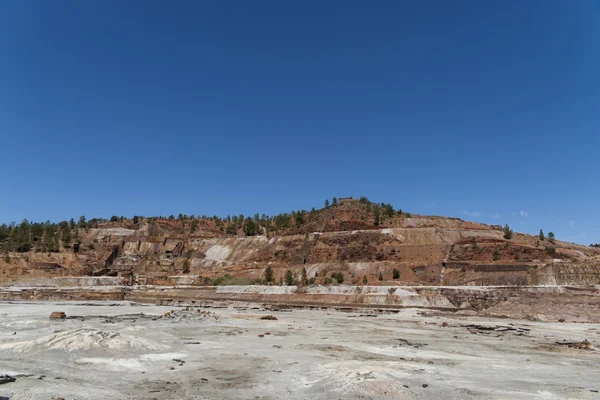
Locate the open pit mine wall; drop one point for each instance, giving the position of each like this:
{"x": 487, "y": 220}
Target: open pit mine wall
{"x": 422, "y": 254}
{"x": 578, "y": 274}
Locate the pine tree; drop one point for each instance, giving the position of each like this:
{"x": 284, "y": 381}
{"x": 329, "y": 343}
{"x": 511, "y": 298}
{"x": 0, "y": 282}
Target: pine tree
{"x": 66, "y": 236}
{"x": 507, "y": 232}
{"x": 380, "y": 275}
{"x": 376, "y": 216}
{"x": 269, "y": 274}
{"x": 326, "y": 203}
{"x": 396, "y": 273}
{"x": 289, "y": 278}
{"x": 542, "y": 235}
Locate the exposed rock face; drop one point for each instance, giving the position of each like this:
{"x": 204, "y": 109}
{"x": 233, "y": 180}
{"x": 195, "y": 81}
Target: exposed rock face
{"x": 424, "y": 250}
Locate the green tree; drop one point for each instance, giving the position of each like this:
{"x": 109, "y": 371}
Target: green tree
{"x": 339, "y": 277}
{"x": 71, "y": 223}
{"x": 81, "y": 222}
{"x": 299, "y": 218}
{"x": 136, "y": 219}
{"x": 507, "y": 232}
{"x": 4, "y": 232}
{"x": 326, "y": 203}
{"x": 551, "y": 236}
{"x": 186, "y": 266}
{"x": 380, "y": 275}
{"x": 289, "y": 278}
{"x": 474, "y": 244}
{"x": 194, "y": 225}
{"x": 251, "y": 228}
{"x": 334, "y": 201}
{"x": 304, "y": 279}
{"x": 542, "y": 235}
{"x": 365, "y": 280}
{"x": 396, "y": 273}
{"x": 389, "y": 210}
{"x": 269, "y": 274}
{"x": 376, "y": 216}
{"x": 66, "y": 236}
{"x": 114, "y": 218}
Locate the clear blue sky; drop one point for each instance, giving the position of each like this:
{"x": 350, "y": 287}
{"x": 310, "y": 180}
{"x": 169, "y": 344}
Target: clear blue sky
{"x": 484, "y": 110}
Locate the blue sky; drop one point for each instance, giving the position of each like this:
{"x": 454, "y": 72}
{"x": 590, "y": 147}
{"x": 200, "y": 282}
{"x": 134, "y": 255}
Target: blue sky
{"x": 488, "y": 111}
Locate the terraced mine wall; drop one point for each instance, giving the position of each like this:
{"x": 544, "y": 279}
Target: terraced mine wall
{"x": 522, "y": 274}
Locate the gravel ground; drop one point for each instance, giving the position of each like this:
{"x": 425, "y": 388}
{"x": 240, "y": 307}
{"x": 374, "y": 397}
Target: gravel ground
{"x": 122, "y": 350}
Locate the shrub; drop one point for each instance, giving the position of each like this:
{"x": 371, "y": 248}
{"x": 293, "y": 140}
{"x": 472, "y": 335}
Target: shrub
{"x": 380, "y": 275}
{"x": 474, "y": 244}
{"x": 339, "y": 277}
{"x": 396, "y": 273}
{"x": 186, "y": 266}
{"x": 328, "y": 281}
{"x": 496, "y": 255}
{"x": 550, "y": 249}
{"x": 365, "y": 280}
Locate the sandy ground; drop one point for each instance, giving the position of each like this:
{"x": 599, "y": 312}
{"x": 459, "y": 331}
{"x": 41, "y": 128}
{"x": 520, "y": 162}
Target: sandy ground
{"x": 122, "y": 350}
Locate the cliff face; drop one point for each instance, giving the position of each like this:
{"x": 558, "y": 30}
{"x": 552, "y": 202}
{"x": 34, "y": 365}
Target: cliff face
{"x": 423, "y": 250}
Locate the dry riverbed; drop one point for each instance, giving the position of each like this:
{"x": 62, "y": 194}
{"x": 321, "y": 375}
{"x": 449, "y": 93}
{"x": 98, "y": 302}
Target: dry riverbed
{"x": 123, "y": 350}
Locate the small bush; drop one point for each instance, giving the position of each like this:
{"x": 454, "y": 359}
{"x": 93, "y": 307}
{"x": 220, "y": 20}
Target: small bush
{"x": 380, "y": 276}
{"x": 396, "y": 274}
{"x": 328, "y": 281}
{"x": 550, "y": 249}
{"x": 186, "y": 266}
{"x": 339, "y": 277}
{"x": 496, "y": 255}
{"x": 365, "y": 280}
